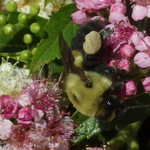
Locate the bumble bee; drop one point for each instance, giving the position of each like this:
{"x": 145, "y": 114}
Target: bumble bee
{"x": 91, "y": 85}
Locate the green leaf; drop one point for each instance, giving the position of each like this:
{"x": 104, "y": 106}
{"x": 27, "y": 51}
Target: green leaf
{"x": 56, "y": 66}
{"x": 78, "y": 117}
{"x": 9, "y": 44}
{"x": 69, "y": 32}
{"x": 87, "y": 129}
{"x": 48, "y": 49}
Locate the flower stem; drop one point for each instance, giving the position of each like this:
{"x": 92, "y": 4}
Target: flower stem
{"x": 10, "y": 54}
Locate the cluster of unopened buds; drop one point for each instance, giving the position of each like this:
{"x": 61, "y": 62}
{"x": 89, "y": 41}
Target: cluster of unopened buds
{"x": 128, "y": 45}
{"x": 30, "y": 116}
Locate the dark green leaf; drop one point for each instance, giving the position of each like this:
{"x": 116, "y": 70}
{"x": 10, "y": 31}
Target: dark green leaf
{"x": 55, "y": 66}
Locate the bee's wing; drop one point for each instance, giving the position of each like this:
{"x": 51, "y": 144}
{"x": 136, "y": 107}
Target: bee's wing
{"x": 68, "y": 60}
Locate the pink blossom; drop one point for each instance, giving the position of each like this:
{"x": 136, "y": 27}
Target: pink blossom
{"x": 95, "y": 5}
{"x": 5, "y": 129}
{"x": 79, "y": 17}
{"x": 116, "y": 17}
{"x": 8, "y": 107}
{"x": 147, "y": 41}
{"x": 92, "y": 5}
{"x": 37, "y": 114}
{"x": 120, "y": 36}
{"x": 41, "y": 124}
{"x": 138, "y": 40}
{"x": 42, "y": 135}
{"x": 146, "y": 84}
{"x": 142, "y": 59}
{"x": 80, "y": 4}
{"x": 117, "y": 12}
{"x": 118, "y": 7}
{"x": 18, "y": 139}
{"x": 124, "y": 64}
{"x": 127, "y": 51}
{"x": 131, "y": 88}
{"x": 139, "y": 12}
{"x": 24, "y": 115}
{"x": 27, "y": 94}
{"x": 142, "y": 2}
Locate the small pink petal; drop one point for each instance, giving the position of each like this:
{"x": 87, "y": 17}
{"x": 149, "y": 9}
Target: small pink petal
{"x": 146, "y": 84}
{"x": 142, "y": 60}
{"x": 5, "y": 129}
{"x": 139, "y": 12}
{"x": 79, "y": 17}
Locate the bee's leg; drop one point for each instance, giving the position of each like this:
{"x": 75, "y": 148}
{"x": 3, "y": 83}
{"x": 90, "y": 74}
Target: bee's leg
{"x": 117, "y": 74}
{"x": 116, "y": 86}
{"x": 105, "y": 70}
{"x": 123, "y": 74}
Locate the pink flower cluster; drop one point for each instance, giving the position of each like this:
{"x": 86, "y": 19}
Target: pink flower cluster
{"x": 87, "y": 8}
{"x": 129, "y": 44}
{"x": 32, "y": 119}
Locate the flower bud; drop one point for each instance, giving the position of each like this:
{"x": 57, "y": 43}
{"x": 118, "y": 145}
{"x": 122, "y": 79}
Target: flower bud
{"x": 127, "y": 51}
{"x": 146, "y": 84}
{"x": 117, "y": 11}
{"x": 124, "y": 64}
{"x": 8, "y": 107}
{"x": 139, "y": 16}
{"x": 131, "y": 88}
{"x": 79, "y": 17}
{"x": 25, "y": 115}
{"x": 5, "y": 129}
{"x": 137, "y": 38}
{"x": 142, "y": 59}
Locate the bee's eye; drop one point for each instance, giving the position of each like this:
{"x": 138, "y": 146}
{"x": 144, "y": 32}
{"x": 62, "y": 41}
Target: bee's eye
{"x": 88, "y": 84}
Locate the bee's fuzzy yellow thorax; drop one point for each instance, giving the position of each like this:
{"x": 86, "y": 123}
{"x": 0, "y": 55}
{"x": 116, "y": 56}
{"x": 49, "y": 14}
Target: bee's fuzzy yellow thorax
{"x": 87, "y": 100}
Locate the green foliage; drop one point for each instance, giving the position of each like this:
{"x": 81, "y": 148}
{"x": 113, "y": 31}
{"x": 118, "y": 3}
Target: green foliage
{"x": 87, "y": 129}
{"x": 14, "y": 43}
{"x": 32, "y": 32}
{"x": 48, "y": 49}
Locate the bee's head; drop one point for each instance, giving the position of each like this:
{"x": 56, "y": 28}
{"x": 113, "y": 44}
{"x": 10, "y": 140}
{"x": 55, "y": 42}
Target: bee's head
{"x": 86, "y": 98}
{"x": 89, "y": 98}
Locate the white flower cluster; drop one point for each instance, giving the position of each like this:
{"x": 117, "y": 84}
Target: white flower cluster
{"x": 12, "y": 79}
{"x": 45, "y": 10}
